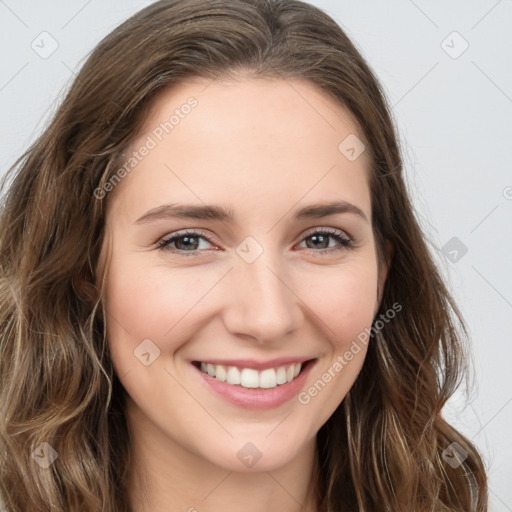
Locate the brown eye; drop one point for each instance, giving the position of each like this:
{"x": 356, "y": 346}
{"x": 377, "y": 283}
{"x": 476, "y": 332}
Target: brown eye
{"x": 185, "y": 242}
{"x": 320, "y": 240}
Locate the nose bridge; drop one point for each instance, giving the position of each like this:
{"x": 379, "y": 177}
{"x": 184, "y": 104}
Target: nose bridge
{"x": 262, "y": 304}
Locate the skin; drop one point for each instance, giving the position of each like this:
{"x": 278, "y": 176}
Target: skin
{"x": 263, "y": 148}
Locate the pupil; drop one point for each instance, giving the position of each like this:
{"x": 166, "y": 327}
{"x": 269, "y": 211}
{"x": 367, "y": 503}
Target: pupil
{"x": 187, "y": 240}
{"x": 319, "y": 238}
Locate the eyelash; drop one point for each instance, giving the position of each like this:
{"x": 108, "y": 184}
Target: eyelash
{"x": 344, "y": 240}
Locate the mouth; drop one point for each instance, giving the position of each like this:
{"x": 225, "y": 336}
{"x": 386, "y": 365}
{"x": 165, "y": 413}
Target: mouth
{"x": 242, "y": 376}
{"x": 253, "y": 385}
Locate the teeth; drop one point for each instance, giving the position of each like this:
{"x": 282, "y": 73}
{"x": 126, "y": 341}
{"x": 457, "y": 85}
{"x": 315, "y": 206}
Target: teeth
{"x": 220, "y": 373}
{"x": 281, "y": 375}
{"x": 251, "y": 378}
{"x": 233, "y": 375}
{"x": 268, "y": 378}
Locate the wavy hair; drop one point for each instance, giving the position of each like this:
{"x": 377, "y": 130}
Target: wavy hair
{"x": 383, "y": 449}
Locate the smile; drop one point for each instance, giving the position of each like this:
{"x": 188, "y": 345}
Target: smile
{"x": 251, "y": 384}
{"x": 250, "y": 377}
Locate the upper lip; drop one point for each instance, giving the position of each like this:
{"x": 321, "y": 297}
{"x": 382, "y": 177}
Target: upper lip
{"x": 256, "y": 365}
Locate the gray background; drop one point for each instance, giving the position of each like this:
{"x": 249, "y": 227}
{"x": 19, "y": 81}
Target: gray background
{"x": 453, "y": 109}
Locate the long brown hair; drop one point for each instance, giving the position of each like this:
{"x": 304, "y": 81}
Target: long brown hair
{"x": 384, "y": 447}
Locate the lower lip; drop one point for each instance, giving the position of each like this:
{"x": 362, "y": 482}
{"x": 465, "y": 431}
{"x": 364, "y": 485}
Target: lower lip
{"x": 257, "y": 398}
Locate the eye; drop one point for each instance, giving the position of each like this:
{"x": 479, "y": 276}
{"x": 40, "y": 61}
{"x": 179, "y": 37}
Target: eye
{"x": 320, "y": 237}
{"x": 187, "y": 241}
{"x": 190, "y": 242}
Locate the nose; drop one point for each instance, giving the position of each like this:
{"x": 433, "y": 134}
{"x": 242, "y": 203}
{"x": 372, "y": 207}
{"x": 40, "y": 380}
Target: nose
{"x": 262, "y": 304}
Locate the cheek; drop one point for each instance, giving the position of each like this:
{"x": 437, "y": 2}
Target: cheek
{"x": 343, "y": 298}
{"x": 151, "y": 303}
{"x": 130, "y": 302}
{"x": 344, "y": 302}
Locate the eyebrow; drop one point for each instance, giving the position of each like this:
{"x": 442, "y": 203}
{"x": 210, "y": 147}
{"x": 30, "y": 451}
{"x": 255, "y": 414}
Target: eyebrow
{"x": 214, "y": 212}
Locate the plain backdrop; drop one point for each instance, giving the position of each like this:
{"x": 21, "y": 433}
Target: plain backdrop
{"x": 446, "y": 69}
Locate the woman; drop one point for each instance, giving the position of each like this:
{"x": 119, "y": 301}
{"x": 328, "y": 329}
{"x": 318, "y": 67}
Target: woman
{"x": 212, "y": 281}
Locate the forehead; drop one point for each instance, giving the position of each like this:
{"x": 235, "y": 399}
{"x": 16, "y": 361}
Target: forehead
{"x": 244, "y": 143}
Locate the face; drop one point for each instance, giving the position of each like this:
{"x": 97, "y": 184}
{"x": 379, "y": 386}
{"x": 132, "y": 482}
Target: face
{"x": 221, "y": 256}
